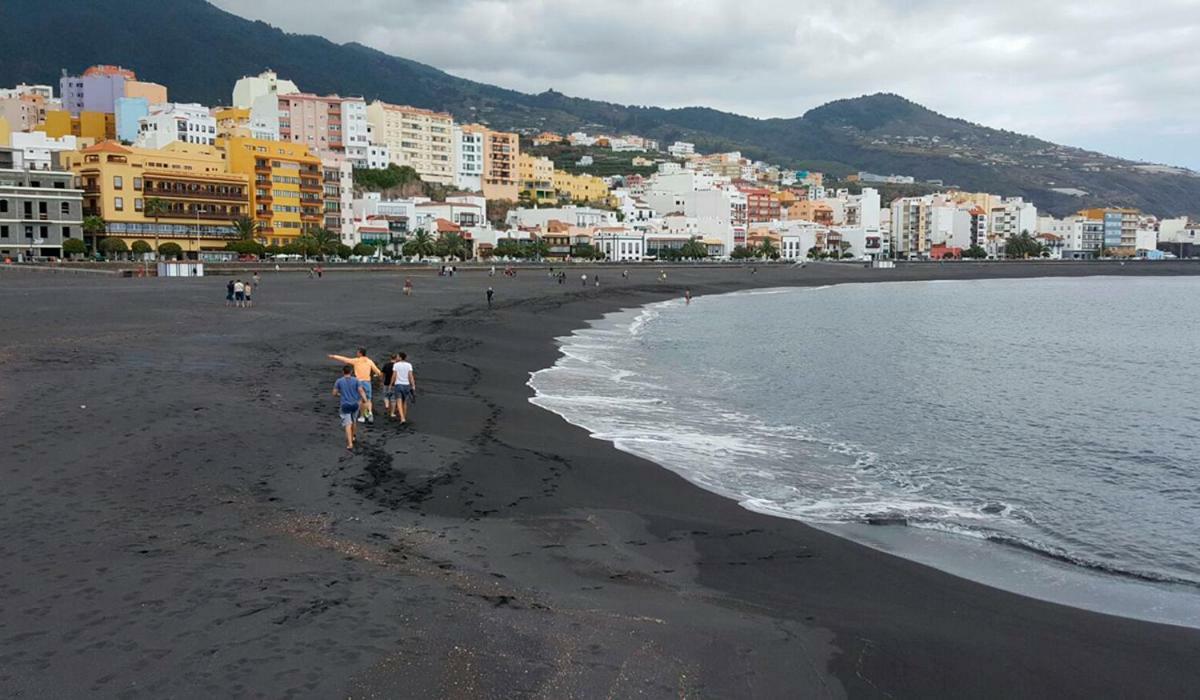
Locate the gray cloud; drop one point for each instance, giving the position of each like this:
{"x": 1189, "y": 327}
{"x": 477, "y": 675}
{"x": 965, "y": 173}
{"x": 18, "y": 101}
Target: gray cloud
{"x": 1115, "y": 76}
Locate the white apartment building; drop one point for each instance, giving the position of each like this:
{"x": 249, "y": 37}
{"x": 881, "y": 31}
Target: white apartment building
{"x": 619, "y": 244}
{"x": 378, "y": 156}
{"x": 682, "y": 149}
{"x": 174, "y": 121}
{"x": 248, "y": 89}
{"x": 468, "y": 158}
{"x": 356, "y": 140}
{"x": 419, "y": 138}
{"x": 1010, "y": 217}
{"x": 337, "y": 183}
{"x": 570, "y": 215}
{"x": 796, "y": 238}
{"x": 37, "y": 149}
{"x": 578, "y": 138}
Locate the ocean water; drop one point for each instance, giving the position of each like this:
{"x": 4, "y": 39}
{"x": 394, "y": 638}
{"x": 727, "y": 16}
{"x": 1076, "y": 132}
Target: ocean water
{"x": 1040, "y": 435}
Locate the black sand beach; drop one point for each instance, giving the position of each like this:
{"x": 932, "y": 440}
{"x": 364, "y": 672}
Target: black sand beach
{"x": 180, "y": 518}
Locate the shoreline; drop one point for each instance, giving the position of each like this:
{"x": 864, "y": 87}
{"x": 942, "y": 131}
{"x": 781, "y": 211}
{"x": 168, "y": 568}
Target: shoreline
{"x": 1063, "y": 579}
{"x": 202, "y": 532}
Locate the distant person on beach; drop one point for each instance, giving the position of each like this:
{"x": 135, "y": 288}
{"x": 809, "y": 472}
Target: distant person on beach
{"x": 257, "y": 279}
{"x": 492, "y": 271}
{"x": 239, "y": 293}
{"x": 407, "y": 286}
{"x": 320, "y": 271}
{"x": 248, "y": 289}
{"x": 350, "y": 396}
{"x": 490, "y": 293}
{"x": 624, "y": 274}
{"x": 596, "y": 279}
{"x": 583, "y": 279}
{"x": 687, "y": 296}
{"x": 364, "y": 370}
{"x": 229, "y": 293}
{"x": 562, "y": 277}
{"x": 311, "y": 272}
{"x": 389, "y": 395}
{"x": 406, "y": 385}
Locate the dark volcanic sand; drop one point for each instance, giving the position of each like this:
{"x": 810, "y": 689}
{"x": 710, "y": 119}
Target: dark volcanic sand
{"x": 198, "y": 530}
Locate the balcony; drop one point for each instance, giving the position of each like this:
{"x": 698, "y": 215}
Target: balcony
{"x": 194, "y": 194}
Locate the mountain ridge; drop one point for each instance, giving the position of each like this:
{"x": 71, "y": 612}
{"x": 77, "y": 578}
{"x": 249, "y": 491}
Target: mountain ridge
{"x": 199, "y": 50}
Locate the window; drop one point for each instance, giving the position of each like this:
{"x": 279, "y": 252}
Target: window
{"x": 43, "y": 232}
{"x": 29, "y": 232}
{"x": 138, "y": 204}
{"x": 42, "y": 209}
{"x": 66, "y": 231}
{"x": 3, "y": 232}
{"x": 137, "y": 183}
{"x": 118, "y": 182}
{"x": 118, "y": 203}
{"x": 64, "y": 208}
{"x": 3, "y": 206}
{"x": 60, "y": 185}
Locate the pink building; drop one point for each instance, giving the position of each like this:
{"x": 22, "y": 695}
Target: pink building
{"x": 329, "y": 125}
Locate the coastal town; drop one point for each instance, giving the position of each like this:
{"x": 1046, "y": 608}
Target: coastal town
{"x": 104, "y": 165}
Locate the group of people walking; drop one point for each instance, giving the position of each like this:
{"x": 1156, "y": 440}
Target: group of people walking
{"x": 239, "y": 293}
{"x": 355, "y": 394}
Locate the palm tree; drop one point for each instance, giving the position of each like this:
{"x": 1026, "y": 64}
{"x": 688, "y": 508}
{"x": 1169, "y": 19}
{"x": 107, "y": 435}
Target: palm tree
{"x": 694, "y": 249}
{"x": 326, "y": 241}
{"x": 767, "y": 249}
{"x": 421, "y": 244}
{"x": 453, "y": 245}
{"x": 246, "y": 227}
{"x": 155, "y": 207}
{"x": 93, "y": 226}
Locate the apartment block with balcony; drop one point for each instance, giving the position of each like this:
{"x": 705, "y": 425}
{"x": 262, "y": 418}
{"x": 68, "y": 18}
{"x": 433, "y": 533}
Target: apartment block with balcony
{"x": 172, "y": 121}
{"x": 468, "y": 157}
{"x": 535, "y": 179}
{"x": 580, "y": 188}
{"x": 39, "y": 207}
{"x": 419, "y": 138}
{"x": 287, "y": 194}
{"x": 500, "y": 152}
{"x": 1120, "y": 227}
{"x": 328, "y": 125}
{"x": 202, "y": 199}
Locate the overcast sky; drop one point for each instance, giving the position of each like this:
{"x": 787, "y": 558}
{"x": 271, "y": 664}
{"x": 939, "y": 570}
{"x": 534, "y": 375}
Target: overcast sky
{"x": 1112, "y": 75}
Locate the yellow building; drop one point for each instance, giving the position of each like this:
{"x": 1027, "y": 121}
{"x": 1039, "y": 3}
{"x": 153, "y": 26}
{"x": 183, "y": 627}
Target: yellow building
{"x": 580, "y": 188}
{"x": 98, "y": 126}
{"x": 5, "y": 132}
{"x": 232, "y": 122}
{"x": 535, "y": 176}
{"x": 286, "y": 197}
{"x": 201, "y": 198}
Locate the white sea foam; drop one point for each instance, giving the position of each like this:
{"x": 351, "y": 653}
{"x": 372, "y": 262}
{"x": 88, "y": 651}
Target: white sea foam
{"x": 618, "y": 379}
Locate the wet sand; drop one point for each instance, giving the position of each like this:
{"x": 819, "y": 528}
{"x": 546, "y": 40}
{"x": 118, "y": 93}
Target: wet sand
{"x": 181, "y": 519}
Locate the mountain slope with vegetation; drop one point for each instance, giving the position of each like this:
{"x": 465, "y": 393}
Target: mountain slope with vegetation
{"x": 198, "y": 51}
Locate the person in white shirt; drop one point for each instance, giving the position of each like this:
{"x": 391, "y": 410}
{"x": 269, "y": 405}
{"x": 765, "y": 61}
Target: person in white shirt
{"x": 239, "y": 292}
{"x": 405, "y": 386}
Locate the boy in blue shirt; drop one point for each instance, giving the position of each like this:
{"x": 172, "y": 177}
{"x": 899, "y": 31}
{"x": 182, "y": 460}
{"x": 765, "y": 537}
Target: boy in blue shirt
{"x": 350, "y": 396}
